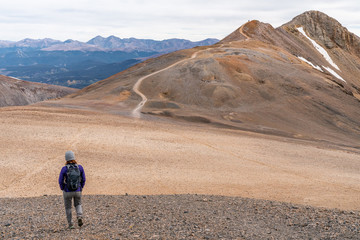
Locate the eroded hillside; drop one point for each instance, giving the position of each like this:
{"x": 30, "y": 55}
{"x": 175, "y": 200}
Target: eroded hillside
{"x": 15, "y": 92}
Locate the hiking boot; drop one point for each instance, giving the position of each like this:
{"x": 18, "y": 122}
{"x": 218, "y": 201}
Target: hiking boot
{"x": 71, "y": 226}
{"x": 80, "y": 222}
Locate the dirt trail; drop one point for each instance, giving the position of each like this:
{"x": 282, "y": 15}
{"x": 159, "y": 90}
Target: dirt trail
{"x": 244, "y": 34}
{"x": 137, "y": 111}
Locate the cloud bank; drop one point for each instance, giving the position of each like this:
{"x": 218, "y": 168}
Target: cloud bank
{"x": 156, "y": 19}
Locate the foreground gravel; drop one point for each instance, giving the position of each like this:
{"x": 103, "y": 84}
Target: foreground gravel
{"x": 174, "y": 217}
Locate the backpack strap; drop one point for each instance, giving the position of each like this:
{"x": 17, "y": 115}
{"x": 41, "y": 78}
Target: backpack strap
{"x": 71, "y": 164}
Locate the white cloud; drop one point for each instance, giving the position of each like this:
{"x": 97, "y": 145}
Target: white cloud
{"x": 158, "y": 19}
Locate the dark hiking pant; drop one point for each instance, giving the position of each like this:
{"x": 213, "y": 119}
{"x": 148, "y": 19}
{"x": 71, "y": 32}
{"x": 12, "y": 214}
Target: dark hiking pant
{"x": 68, "y": 196}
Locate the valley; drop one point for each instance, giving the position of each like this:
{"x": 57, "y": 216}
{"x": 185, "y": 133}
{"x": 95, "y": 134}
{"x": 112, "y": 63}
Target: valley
{"x": 78, "y": 64}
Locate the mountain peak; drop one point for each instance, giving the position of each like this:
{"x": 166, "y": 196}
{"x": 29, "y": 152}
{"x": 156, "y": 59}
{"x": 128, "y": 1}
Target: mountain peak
{"x": 98, "y": 40}
{"x": 249, "y": 30}
{"x": 70, "y": 41}
{"x": 314, "y": 15}
{"x": 35, "y": 43}
{"x": 326, "y": 30}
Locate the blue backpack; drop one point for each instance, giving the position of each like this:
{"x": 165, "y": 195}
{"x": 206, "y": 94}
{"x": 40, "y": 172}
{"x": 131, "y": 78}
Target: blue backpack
{"x": 73, "y": 177}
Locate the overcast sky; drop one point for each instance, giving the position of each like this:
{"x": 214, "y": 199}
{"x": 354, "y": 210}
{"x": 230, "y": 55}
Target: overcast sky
{"x": 156, "y": 19}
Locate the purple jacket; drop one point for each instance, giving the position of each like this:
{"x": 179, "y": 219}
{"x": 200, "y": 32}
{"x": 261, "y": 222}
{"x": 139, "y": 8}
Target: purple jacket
{"x": 62, "y": 179}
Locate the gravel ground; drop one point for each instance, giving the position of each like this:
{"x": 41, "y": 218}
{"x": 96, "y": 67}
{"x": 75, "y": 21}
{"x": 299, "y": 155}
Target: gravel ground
{"x": 174, "y": 217}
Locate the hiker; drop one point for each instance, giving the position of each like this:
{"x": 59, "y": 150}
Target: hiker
{"x": 72, "y": 181}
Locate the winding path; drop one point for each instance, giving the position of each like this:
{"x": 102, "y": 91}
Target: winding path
{"x": 137, "y": 111}
{"x": 244, "y": 34}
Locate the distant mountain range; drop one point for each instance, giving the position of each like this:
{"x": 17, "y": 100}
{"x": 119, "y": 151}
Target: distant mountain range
{"x": 111, "y": 43}
{"x": 78, "y": 64}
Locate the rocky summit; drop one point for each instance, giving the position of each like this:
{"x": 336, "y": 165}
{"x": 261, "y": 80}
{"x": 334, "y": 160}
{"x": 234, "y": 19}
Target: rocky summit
{"x": 327, "y": 31}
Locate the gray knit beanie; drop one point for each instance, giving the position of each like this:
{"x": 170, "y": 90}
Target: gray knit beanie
{"x": 69, "y": 155}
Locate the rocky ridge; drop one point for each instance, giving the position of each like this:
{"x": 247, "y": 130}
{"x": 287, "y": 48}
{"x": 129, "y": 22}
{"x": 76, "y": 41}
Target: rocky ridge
{"x": 327, "y": 30}
{"x": 15, "y": 92}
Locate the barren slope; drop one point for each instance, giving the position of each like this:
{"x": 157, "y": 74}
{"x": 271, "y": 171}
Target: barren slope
{"x": 15, "y": 92}
{"x": 124, "y": 155}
